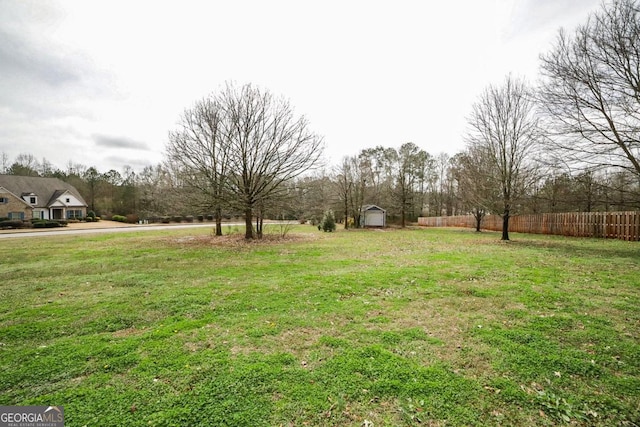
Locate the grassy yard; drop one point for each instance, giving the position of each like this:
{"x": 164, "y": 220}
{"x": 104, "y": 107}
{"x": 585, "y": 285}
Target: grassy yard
{"x": 425, "y": 327}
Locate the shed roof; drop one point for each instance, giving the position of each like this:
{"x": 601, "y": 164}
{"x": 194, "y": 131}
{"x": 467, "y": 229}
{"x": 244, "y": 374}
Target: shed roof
{"x": 372, "y": 208}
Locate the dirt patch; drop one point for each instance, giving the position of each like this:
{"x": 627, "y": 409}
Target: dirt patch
{"x": 237, "y": 241}
{"x": 122, "y": 333}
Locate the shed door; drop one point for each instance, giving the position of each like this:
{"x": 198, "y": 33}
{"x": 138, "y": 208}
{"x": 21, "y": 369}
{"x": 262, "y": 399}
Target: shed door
{"x": 375, "y": 219}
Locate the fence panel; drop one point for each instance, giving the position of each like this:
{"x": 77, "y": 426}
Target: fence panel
{"x": 611, "y": 225}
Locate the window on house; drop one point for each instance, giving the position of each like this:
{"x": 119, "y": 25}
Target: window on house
{"x": 68, "y": 200}
{"x": 74, "y": 214}
{"x": 16, "y": 215}
{"x": 4, "y": 200}
{"x": 32, "y": 200}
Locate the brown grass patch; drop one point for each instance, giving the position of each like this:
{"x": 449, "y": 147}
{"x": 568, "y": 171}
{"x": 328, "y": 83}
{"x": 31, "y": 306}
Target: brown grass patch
{"x": 237, "y": 241}
{"x": 451, "y": 321}
{"x": 127, "y": 332}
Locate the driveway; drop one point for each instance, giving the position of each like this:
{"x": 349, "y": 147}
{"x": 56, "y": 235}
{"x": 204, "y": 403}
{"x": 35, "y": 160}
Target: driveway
{"x": 103, "y": 226}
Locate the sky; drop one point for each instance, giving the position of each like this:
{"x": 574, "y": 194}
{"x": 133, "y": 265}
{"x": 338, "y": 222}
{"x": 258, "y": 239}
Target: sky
{"x": 102, "y": 83}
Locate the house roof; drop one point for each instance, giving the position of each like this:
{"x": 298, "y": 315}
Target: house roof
{"x": 47, "y": 190}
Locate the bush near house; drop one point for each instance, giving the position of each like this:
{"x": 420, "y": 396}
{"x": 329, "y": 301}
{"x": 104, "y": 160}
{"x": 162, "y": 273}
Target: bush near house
{"x": 11, "y": 223}
{"x": 49, "y": 223}
{"x": 91, "y": 217}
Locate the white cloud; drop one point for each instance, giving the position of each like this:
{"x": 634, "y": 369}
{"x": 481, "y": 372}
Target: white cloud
{"x": 365, "y": 73}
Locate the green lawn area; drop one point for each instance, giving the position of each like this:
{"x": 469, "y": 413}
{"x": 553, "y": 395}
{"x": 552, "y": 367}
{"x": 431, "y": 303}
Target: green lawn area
{"x": 427, "y": 327}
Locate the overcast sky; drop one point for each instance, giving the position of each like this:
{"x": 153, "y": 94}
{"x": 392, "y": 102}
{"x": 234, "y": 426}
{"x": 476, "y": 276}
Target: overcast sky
{"x": 101, "y": 83}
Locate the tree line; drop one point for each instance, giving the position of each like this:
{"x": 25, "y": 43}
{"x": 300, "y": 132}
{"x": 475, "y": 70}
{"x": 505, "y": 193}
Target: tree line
{"x": 570, "y": 143}
{"x": 407, "y": 181}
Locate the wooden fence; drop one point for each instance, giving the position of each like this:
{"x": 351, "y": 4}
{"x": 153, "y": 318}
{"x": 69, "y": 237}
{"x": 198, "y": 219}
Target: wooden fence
{"x": 610, "y": 225}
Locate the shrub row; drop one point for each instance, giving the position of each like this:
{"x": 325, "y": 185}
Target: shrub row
{"x": 49, "y": 223}
{"x": 166, "y": 219}
{"x": 6, "y": 223}
{"x": 119, "y": 218}
{"x": 130, "y": 218}
{"x": 12, "y": 223}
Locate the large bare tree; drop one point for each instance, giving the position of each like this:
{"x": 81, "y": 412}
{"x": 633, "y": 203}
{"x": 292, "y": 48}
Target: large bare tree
{"x": 268, "y": 145}
{"x": 591, "y": 90}
{"x": 237, "y": 148}
{"x": 504, "y": 132}
{"x": 199, "y": 153}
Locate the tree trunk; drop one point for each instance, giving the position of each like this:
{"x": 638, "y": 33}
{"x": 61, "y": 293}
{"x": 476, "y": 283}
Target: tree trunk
{"x": 218, "y": 221}
{"x": 346, "y": 213}
{"x": 248, "y": 214}
{"x": 505, "y": 225}
{"x": 259, "y": 222}
{"x": 478, "y": 216}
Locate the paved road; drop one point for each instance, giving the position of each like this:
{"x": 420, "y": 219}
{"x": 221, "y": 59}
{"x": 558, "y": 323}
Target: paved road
{"x": 125, "y": 229}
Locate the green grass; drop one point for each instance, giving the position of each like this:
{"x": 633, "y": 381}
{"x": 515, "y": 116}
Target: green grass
{"x": 398, "y": 327}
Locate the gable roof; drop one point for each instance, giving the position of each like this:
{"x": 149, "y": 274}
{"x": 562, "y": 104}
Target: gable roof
{"x": 47, "y": 190}
{"x": 372, "y": 208}
{"x": 5, "y": 191}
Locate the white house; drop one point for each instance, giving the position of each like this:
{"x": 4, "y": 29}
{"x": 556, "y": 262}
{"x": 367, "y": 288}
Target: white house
{"x": 373, "y": 216}
{"x": 27, "y": 197}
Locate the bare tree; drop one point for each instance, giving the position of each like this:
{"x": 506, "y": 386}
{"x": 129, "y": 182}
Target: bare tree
{"x": 343, "y": 183}
{"x": 112, "y": 181}
{"x": 25, "y": 165}
{"x": 591, "y": 89}
{"x": 92, "y": 178}
{"x": 358, "y": 189}
{"x": 46, "y": 168}
{"x": 154, "y": 186}
{"x": 378, "y": 167}
{"x": 77, "y": 169}
{"x": 477, "y": 189}
{"x": 504, "y": 130}
{"x": 4, "y": 163}
{"x": 425, "y": 164}
{"x": 199, "y": 153}
{"x": 441, "y": 185}
{"x": 267, "y": 144}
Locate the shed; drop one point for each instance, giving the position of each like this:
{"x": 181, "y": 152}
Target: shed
{"x": 373, "y": 216}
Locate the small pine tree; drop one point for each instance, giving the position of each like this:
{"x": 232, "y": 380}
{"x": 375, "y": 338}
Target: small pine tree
{"x": 329, "y": 221}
